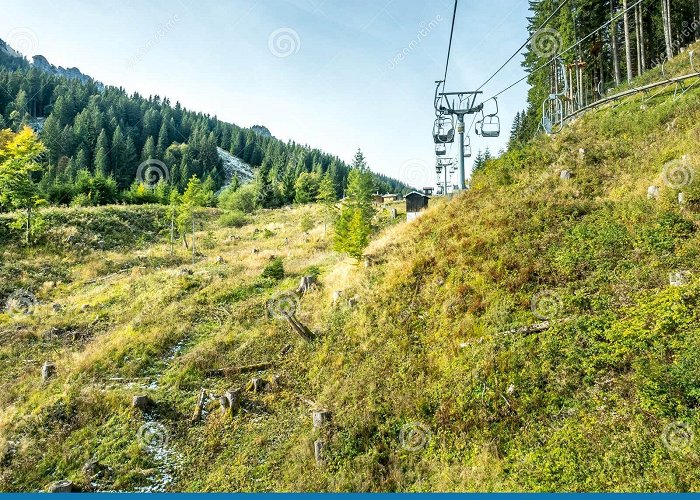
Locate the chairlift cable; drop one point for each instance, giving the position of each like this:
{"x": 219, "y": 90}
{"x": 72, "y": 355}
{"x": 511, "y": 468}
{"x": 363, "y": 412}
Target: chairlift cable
{"x": 534, "y": 33}
{"x": 604, "y": 25}
{"x": 449, "y": 48}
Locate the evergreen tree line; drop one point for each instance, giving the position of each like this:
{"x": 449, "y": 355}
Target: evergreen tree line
{"x": 96, "y": 137}
{"x": 644, "y": 37}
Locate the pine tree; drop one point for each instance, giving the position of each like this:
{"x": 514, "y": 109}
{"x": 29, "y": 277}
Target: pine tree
{"x": 101, "y": 166}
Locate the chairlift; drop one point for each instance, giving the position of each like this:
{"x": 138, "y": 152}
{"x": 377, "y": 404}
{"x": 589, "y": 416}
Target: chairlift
{"x": 467, "y": 147}
{"x": 444, "y": 129}
{"x": 440, "y": 149}
{"x": 553, "y": 107}
{"x": 489, "y": 125}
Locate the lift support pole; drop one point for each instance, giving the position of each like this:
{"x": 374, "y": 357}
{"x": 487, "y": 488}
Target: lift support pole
{"x": 460, "y": 131}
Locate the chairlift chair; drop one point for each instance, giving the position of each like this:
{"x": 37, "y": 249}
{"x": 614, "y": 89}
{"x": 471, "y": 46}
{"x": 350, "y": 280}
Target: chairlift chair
{"x": 489, "y": 125}
{"x": 444, "y": 129}
{"x": 440, "y": 149}
{"x": 467, "y": 147}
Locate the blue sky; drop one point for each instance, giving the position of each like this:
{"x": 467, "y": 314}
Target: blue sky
{"x": 321, "y": 72}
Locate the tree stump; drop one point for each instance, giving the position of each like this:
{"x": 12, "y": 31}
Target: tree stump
{"x": 318, "y": 451}
{"x": 307, "y": 282}
{"x": 681, "y": 199}
{"x": 353, "y": 301}
{"x": 394, "y": 213}
{"x": 141, "y": 402}
{"x": 257, "y": 385}
{"x": 231, "y": 402}
{"x": 653, "y": 192}
{"x": 337, "y": 294}
{"x": 61, "y": 487}
{"x": 276, "y": 382}
{"x": 48, "y": 371}
{"x": 565, "y": 175}
{"x": 320, "y": 418}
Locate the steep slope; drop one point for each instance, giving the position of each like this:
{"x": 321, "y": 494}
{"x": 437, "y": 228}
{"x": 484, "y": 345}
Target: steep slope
{"x": 426, "y": 366}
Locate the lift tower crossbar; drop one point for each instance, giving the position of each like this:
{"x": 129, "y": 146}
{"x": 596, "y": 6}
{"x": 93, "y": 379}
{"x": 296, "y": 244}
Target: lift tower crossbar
{"x": 459, "y": 104}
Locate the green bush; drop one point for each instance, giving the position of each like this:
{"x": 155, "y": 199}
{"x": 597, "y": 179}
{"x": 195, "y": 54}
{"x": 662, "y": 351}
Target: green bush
{"x": 233, "y": 219}
{"x": 274, "y": 270}
{"x": 244, "y": 199}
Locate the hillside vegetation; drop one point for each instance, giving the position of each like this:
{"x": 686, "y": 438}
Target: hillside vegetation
{"x": 429, "y": 377}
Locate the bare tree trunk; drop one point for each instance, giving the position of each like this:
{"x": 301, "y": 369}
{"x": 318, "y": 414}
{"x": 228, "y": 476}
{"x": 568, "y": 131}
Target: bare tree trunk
{"x": 29, "y": 225}
{"x": 628, "y": 47}
{"x": 668, "y": 35}
{"x": 615, "y": 48}
{"x": 638, "y": 41}
{"x": 642, "y": 42}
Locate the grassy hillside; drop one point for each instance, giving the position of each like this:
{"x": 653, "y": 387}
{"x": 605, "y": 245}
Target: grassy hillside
{"x": 430, "y": 380}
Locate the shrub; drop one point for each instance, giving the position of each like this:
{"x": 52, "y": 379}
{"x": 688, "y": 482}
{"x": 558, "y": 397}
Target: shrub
{"x": 244, "y": 199}
{"x": 233, "y": 219}
{"x": 274, "y": 270}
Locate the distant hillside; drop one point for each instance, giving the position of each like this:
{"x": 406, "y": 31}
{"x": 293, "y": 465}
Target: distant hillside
{"x": 103, "y": 130}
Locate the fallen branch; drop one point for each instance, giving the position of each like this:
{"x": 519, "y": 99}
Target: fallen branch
{"x": 235, "y": 370}
{"x": 104, "y": 278}
{"x": 199, "y": 408}
{"x": 299, "y": 327}
{"x": 528, "y": 330}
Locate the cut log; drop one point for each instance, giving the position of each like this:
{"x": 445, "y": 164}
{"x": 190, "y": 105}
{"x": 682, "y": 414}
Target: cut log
{"x": 235, "y": 370}
{"x": 141, "y": 402}
{"x": 320, "y": 418}
{"x": 48, "y": 371}
{"x": 61, "y": 487}
{"x": 307, "y": 282}
{"x": 199, "y": 408}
